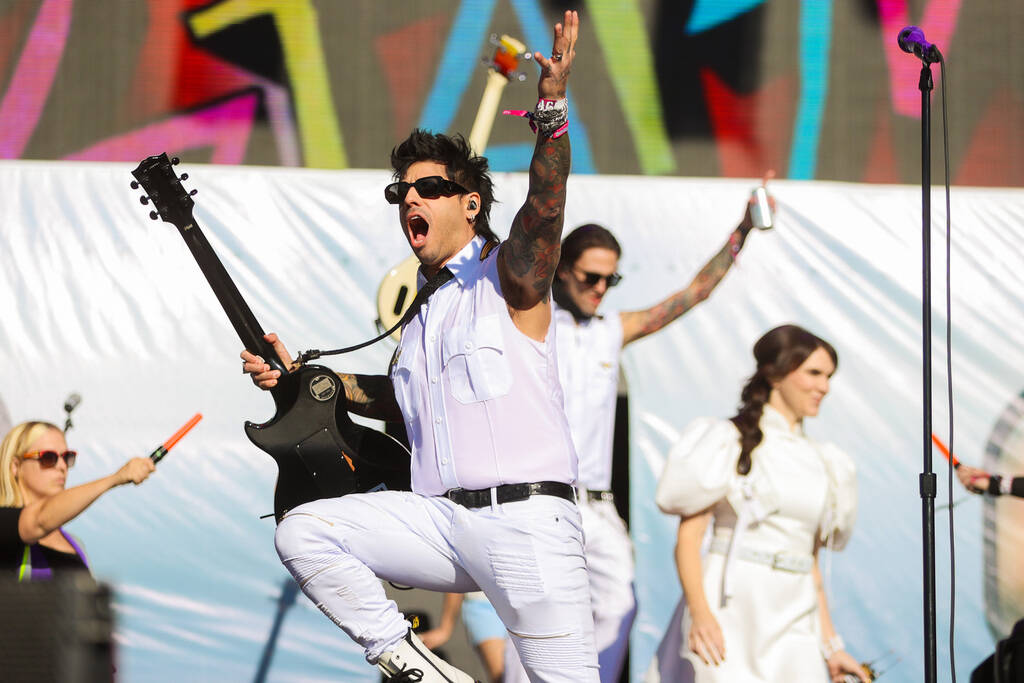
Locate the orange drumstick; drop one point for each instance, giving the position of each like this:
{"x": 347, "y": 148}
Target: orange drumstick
{"x": 161, "y": 450}
{"x": 945, "y": 451}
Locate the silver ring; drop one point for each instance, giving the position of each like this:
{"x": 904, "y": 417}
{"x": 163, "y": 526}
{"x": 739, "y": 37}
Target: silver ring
{"x": 557, "y": 57}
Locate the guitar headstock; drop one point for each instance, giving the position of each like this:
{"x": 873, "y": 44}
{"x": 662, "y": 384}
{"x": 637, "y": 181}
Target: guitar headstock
{"x": 171, "y": 202}
{"x": 507, "y": 53}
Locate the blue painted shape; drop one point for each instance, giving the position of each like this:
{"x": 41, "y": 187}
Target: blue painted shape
{"x": 538, "y": 39}
{"x": 815, "y": 36}
{"x": 710, "y": 13}
{"x": 509, "y": 158}
{"x": 460, "y": 59}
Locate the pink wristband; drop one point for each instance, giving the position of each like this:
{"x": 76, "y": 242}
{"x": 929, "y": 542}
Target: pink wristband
{"x": 550, "y": 117}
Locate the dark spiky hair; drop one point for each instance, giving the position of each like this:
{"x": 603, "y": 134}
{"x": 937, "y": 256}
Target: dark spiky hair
{"x": 461, "y": 164}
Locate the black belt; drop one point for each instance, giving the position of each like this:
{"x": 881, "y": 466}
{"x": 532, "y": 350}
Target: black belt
{"x": 593, "y": 495}
{"x": 510, "y": 493}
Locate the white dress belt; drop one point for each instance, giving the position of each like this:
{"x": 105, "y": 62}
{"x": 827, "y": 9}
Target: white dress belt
{"x": 798, "y": 563}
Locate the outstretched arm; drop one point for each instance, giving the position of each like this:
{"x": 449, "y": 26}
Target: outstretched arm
{"x": 637, "y": 324}
{"x": 44, "y": 516}
{"x": 530, "y": 254}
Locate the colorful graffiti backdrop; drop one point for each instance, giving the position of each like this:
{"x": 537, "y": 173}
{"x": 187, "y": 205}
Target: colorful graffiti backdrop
{"x": 816, "y": 89}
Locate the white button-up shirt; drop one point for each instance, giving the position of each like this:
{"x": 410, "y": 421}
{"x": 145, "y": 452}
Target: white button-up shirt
{"x": 588, "y": 367}
{"x": 482, "y": 401}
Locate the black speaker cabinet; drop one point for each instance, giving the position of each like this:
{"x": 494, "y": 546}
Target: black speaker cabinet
{"x": 55, "y": 631}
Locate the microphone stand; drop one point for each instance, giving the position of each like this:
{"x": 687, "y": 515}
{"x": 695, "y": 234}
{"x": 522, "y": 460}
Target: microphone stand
{"x": 927, "y": 478}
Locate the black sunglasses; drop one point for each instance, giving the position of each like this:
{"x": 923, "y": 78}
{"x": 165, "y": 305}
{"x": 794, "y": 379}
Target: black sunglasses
{"x": 591, "y": 279}
{"x": 49, "y": 459}
{"x": 429, "y": 188}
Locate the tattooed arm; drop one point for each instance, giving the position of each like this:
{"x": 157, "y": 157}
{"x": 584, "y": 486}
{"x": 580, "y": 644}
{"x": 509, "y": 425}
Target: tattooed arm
{"x": 371, "y": 396}
{"x": 637, "y": 324}
{"x": 528, "y": 257}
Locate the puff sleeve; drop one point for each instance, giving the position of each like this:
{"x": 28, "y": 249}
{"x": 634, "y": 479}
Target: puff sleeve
{"x": 701, "y": 467}
{"x": 841, "y": 511}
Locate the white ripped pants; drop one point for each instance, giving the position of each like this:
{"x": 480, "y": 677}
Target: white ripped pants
{"x": 526, "y": 556}
{"x": 610, "y": 566}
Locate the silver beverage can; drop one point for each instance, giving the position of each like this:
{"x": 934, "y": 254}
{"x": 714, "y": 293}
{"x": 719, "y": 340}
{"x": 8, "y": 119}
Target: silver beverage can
{"x": 760, "y": 210}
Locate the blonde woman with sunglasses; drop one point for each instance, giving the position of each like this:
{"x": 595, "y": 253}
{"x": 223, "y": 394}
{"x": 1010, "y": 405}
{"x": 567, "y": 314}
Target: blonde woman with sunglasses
{"x": 34, "y": 464}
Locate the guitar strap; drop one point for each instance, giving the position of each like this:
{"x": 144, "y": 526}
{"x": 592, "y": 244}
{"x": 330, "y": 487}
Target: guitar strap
{"x": 442, "y": 276}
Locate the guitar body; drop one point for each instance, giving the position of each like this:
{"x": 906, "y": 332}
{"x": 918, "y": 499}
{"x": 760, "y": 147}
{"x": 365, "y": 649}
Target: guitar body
{"x": 320, "y": 452}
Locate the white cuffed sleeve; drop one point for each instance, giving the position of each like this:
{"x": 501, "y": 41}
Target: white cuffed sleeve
{"x": 842, "y": 499}
{"x": 701, "y": 467}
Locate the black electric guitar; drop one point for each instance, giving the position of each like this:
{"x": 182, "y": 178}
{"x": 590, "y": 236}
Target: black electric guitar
{"x": 320, "y": 451}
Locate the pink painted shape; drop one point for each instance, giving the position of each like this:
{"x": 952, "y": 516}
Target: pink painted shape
{"x": 225, "y": 126}
{"x": 406, "y": 57}
{"x": 33, "y": 76}
{"x": 987, "y": 161}
{"x": 938, "y": 23}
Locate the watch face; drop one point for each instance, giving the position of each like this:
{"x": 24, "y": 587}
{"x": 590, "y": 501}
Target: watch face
{"x": 1004, "y": 524}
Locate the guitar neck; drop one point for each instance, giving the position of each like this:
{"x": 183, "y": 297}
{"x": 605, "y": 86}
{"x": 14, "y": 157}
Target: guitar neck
{"x": 481, "y": 131}
{"x": 246, "y": 326}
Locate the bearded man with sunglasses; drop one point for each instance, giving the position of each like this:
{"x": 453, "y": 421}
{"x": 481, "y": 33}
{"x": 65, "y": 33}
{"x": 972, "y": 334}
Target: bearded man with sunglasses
{"x": 475, "y": 381}
{"x": 589, "y": 345}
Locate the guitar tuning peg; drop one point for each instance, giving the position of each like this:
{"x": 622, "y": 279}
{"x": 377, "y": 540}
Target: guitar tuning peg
{"x": 135, "y": 184}
{"x": 175, "y": 161}
{"x": 193, "y": 193}
{"x": 144, "y": 200}
{"x": 184, "y": 176}
{"x": 154, "y": 215}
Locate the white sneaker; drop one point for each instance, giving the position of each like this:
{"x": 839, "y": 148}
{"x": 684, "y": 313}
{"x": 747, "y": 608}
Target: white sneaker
{"x": 412, "y": 661}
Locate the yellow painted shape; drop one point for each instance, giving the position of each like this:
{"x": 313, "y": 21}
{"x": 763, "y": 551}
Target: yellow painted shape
{"x": 298, "y": 28}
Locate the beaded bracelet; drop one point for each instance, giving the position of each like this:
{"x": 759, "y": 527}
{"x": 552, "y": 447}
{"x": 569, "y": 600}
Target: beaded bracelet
{"x": 549, "y": 117}
{"x": 831, "y": 646}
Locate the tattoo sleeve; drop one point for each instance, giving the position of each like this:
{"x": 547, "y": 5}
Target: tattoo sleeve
{"x": 530, "y": 254}
{"x": 371, "y": 396}
{"x": 637, "y": 324}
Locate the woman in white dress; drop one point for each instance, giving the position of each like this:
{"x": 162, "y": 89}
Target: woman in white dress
{"x": 753, "y": 607}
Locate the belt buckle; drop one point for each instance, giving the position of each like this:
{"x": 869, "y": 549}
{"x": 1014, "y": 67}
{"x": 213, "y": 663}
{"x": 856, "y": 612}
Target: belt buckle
{"x": 788, "y": 563}
{"x": 451, "y": 494}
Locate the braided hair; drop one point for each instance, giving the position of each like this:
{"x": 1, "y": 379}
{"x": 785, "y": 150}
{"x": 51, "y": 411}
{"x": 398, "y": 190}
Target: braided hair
{"x": 779, "y": 352}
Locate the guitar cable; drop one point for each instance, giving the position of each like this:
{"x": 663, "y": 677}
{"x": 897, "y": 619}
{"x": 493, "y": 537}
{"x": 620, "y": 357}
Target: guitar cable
{"x": 442, "y": 276}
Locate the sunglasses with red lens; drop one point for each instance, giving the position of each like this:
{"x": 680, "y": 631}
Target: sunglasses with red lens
{"x": 591, "y": 279}
{"x": 430, "y": 187}
{"x": 49, "y": 459}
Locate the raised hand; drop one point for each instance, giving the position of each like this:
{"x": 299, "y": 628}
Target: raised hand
{"x": 554, "y": 73}
{"x": 261, "y": 374}
{"x": 135, "y": 471}
{"x": 975, "y": 480}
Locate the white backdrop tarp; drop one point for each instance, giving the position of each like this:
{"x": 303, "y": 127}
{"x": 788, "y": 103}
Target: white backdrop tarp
{"x": 95, "y": 298}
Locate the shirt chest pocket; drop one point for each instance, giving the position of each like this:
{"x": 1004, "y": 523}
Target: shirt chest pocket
{"x": 602, "y": 379}
{"x": 475, "y": 361}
